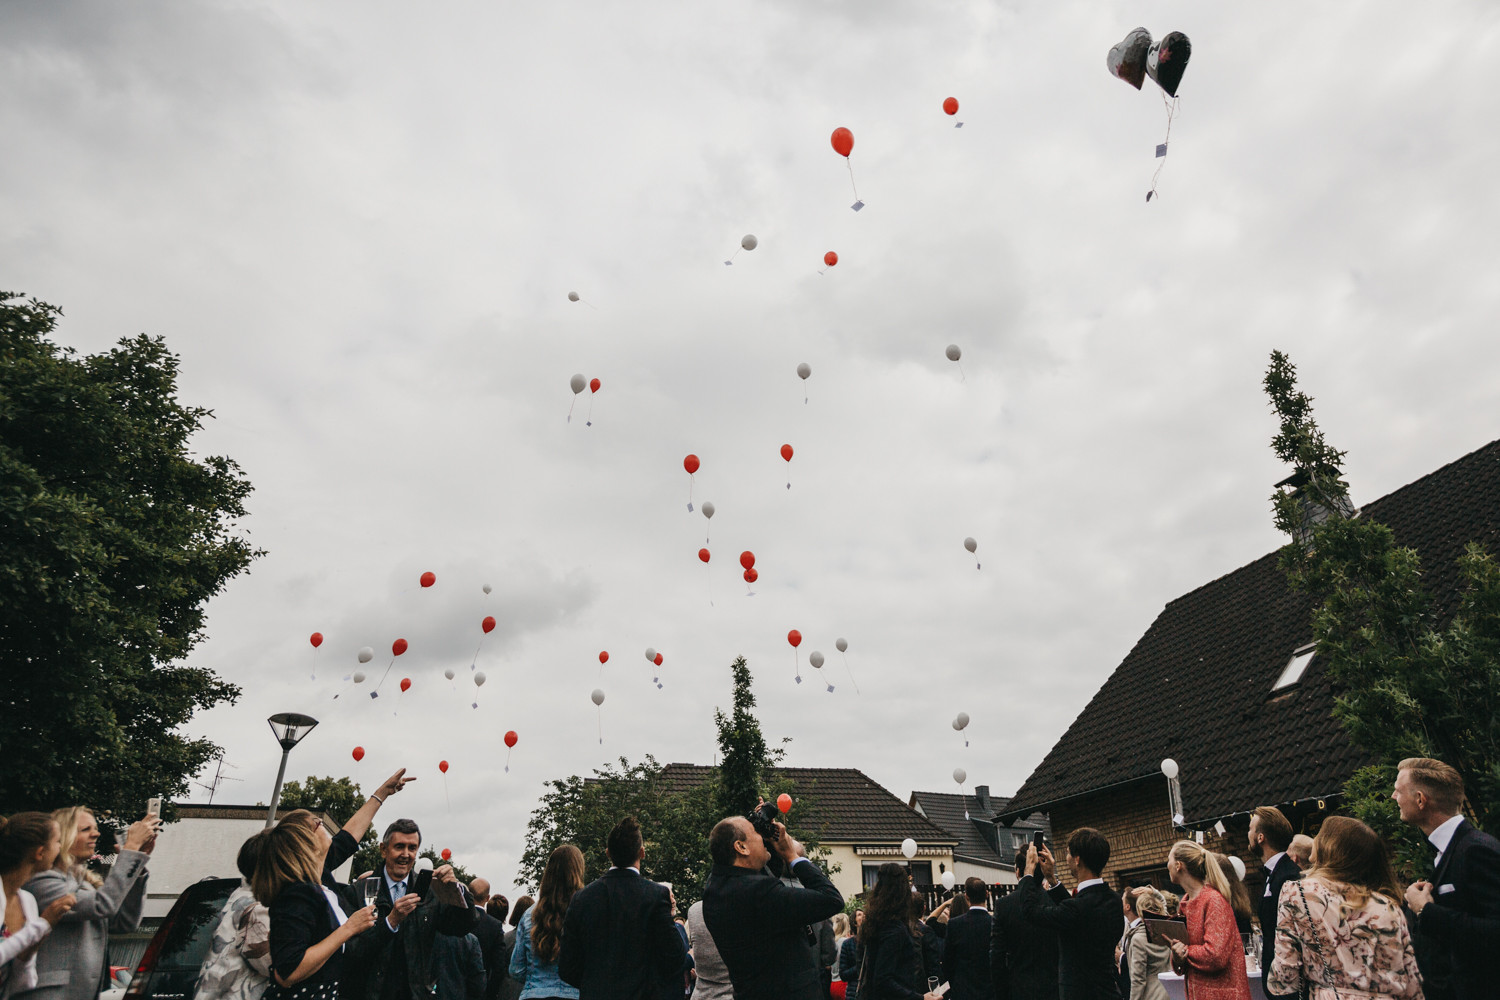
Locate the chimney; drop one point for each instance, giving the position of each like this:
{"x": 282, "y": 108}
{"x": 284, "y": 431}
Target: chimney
{"x": 982, "y": 796}
{"x": 1315, "y": 509}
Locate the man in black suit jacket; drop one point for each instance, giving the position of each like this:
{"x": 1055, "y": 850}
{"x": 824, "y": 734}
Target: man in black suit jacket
{"x": 1089, "y": 925}
{"x": 966, "y": 955}
{"x": 1023, "y": 955}
{"x": 1455, "y": 918}
{"x": 619, "y": 941}
{"x": 1270, "y": 836}
{"x": 762, "y": 927}
{"x": 490, "y": 933}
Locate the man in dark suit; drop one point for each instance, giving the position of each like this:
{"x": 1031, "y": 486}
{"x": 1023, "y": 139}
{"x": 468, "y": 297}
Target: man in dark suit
{"x": 1455, "y": 918}
{"x": 763, "y": 927}
{"x": 1023, "y": 955}
{"x": 1270, "y": 836}
{"x": 490, "y": 932}
{"x": 457, "y": 968}
{"x": 966, "y": 956}
{"x": 1089, "y": 925}
{"x": 619, "y": 941}
{"x": 404, "y": 970}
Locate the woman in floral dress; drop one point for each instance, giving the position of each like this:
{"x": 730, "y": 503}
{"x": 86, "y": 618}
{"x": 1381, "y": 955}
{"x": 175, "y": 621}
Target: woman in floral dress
{"x": 1213, "y": 959}
{"x": 1341, "y": 929}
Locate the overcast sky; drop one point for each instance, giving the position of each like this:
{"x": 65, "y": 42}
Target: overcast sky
{"x": 358, "y": 224}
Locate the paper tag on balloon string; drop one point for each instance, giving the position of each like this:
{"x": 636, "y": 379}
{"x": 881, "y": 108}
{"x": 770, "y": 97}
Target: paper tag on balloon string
{"x": 1161, "y": 149}
{"x": 959, "y": 125}
{"x": 374, "y": 694}
{"x": 729, "y": 263}
{"x": 857, "y": 205}
{"x": 690, "y": 508}
{"x": 1219, "y": 828}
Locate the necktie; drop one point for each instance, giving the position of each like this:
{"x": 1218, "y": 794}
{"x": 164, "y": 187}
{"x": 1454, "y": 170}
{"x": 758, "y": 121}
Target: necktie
{"x": 400, "y": 891}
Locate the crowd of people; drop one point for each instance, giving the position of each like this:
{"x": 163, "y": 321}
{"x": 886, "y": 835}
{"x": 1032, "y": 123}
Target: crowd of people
{"x": 1333, "y": 922}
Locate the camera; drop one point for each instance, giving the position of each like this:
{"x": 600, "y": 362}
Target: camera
{"x": 764, "y": 820}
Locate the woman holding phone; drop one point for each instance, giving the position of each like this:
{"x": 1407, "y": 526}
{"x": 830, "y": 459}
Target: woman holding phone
{"x": 73, "y": 962}
{"x": 309, "y": 928}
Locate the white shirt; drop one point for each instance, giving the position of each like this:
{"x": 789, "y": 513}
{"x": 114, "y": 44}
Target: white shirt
{"x": 631, "y": 868}
{"x": 390, "y": 885}
{"x": 1270, "y": 866}
{"x": 19, "y": 974}
{"x": 1085, "y": 884}
{"x": 1443, "y": 836}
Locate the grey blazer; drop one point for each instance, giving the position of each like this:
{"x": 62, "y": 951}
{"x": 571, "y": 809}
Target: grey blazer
{"x": 1146, "y": 960}
{"x": 73, "y": 962}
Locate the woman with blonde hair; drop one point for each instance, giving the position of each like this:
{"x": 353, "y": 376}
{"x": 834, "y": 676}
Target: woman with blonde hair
{"x": 533, "y": 963}
{"x": 1145, "y": 959}
{"x": 309, "y": 926}
{"x": 73, "y": 962}
{"x": 1340, "y": 930}
{"x": 1213, "y": 959}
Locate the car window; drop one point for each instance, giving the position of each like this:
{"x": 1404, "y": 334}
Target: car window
{"x": 187, "y": 941}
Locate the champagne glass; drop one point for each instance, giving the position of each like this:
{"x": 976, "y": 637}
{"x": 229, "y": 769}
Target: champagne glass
{"x": 372, "y": 891}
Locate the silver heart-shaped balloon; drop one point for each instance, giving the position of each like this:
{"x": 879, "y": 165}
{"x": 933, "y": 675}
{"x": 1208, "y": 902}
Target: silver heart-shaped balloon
{"x": 1167, "y": 60}
{"x": 1128, "y": 59}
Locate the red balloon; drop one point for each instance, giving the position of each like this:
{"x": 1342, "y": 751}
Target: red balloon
{"x": 488, "y": 624}
{"x": 603, "y": 656}
{"x": 398, "y": 647}
{"x": 511, "y": 738}
{"x": 594, "y": 385}
{"x": 405, "y": 684}
{"x": 690, "y": 464}
{"x": 786, "y": 452}
{"x": 359, "y": 753}
{"x": 843, "y": 141}
{"x": 316, "y": 639}
{"x": 428, "y": 579}
{"x": 751, "y": 576}
{"x": 443, "y": 766}
{"x": 703, "y": 554}
{"x": 658, "y": 659}
{"x": 784, "y": 802}
{"x": 447, "y": 854}
{"x": 794, "y": 637}
{"x": 747, "y": 559}
{"x": 951, "y": 105}
{"x": 830, "y": 258}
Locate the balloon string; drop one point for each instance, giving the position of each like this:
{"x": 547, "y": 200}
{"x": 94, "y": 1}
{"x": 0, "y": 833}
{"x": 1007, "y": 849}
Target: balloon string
{"x": 570, "y": 407}
{"x": 1171, "y": 106}
{"x": 590, "y": 421}
{"x": 961, "y": 376}
{"x": 851, "y": 672}
{"x": 851, "y": 177}
{"x": 445, "y": 794}
{"x": 601, "y": 727}
{"x": 387, "y": 673}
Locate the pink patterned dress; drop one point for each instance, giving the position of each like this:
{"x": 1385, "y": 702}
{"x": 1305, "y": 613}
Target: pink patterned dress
{"x": 1215, "y": 954}
{"x": 1360, "y": 952}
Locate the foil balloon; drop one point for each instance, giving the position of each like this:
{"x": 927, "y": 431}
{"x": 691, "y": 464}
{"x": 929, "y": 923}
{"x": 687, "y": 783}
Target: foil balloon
{"x": 1127, "y": 60}
{"x": 1167, "y": 60}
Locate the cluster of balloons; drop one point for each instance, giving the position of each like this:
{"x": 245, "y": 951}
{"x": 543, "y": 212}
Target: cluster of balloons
{"x": 1137, "y": 57}
{"x": 578, "y": 383}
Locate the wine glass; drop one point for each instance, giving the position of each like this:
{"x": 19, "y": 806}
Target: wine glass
{"x": 372, "y": 890}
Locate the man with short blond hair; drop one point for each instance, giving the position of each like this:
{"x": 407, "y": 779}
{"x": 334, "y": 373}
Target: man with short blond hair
{"x": 1270, "y": 836}
{"x": 1300, "y": 850}
{"x": 1455, "y": 918}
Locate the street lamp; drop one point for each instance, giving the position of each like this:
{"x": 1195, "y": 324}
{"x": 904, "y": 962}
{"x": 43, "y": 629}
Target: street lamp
{"x": 289, "y": 728}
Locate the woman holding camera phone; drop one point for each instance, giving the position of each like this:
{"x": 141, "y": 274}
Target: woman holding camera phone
{"x": 73, "y": 962}
{"x": 309, "y": 928}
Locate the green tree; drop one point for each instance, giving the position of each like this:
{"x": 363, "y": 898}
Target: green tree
{"x": 112, "y": 539}
{"x": 1413, "y": 679}
{"x": 746, "y": 761}
{"x": 340, "y": 798}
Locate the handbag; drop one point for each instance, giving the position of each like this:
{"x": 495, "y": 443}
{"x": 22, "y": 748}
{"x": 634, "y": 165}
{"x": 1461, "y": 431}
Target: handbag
{"x": 1317, "y": 948}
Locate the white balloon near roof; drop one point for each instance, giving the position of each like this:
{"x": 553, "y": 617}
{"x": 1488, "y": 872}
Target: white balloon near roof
{"x": 909, "y": 848}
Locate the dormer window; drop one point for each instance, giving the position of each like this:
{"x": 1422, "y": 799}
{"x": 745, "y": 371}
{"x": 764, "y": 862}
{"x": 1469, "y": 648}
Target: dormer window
{"x": 1295, "y": 667}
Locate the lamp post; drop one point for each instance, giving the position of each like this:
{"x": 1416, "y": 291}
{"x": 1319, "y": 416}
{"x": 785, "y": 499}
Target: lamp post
{"x": 289, "y": 728}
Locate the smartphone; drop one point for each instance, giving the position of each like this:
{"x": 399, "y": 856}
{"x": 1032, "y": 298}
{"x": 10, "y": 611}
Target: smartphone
{"x": 153, "y": 807}
{"x": 421, "y": 883}
{"x": 1038, "y": 840}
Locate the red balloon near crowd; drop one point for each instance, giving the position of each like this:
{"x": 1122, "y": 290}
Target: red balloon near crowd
{"x": 398, "y": 647}
{"x": 784, "y": 803}
{"x": 951, "y": 105}
{"x": 843, "y": 141}
{"x": 594, "y": 385}
{"x": 447, "y": 854}
{"x": 316, "y": 639}
{"x": 703, "y": 555}
{"x": 511, "y": 738}
{"x": 751, "y": 575}
{"x": 488, "y": 624}
{"x": 786, "y": 452}
{"x": 794, "y": 637}
{"x": 359, "y": 754}
{"x": 747, "y": 559}
{"x": 690, "y": 464}
{"x": 405, "y": 684}
{"x": 428, "y": 579}
{"x": 830, "y": 258}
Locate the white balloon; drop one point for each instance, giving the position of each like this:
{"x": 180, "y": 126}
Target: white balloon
{"x": 749, "y": 242}
{"x": 479, "y": 679}
{"x": 970, "y": 544}
{"x": 1238, "y": 866}
{"x": 804, "y": 370}
{"x": 953, "y": 352}
{"x": 708, "y": 508}
{"x": 843, "y": 645}
{"x": 651, "y": 654}
{"x": 1169, "y": 767}
{"x": 579, "y": 383}
{"x": 816, "y": 659}
{"x": 423, "y": 865}
{"x": 572, "y": 296}
{"x": 960, "y": 775}
{"x": 598, "y": 696}
{"x": 961, "y": 721}
{"x": 486, "y": 588}
{"x": 359, "y": 676}
{"x": 909, "y": 848}
{"x": 366, "y": 654}
{"x": 948, "y": 880}
{"x": 448, "y": 673}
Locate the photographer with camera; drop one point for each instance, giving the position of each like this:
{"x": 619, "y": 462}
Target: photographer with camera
{"x": 761, "y": 925}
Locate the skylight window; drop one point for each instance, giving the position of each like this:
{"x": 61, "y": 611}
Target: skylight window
{"x": 1295, "y": 667}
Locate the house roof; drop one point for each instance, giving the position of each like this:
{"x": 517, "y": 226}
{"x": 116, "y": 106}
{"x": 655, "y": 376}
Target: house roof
{"x": 977, "y": 840}
{"x": 1197, "y": 686}
{"x": 845, "y": 803}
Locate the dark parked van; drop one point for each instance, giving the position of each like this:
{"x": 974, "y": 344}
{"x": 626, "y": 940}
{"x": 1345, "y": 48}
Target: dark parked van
{"x": 169, "y": 968}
